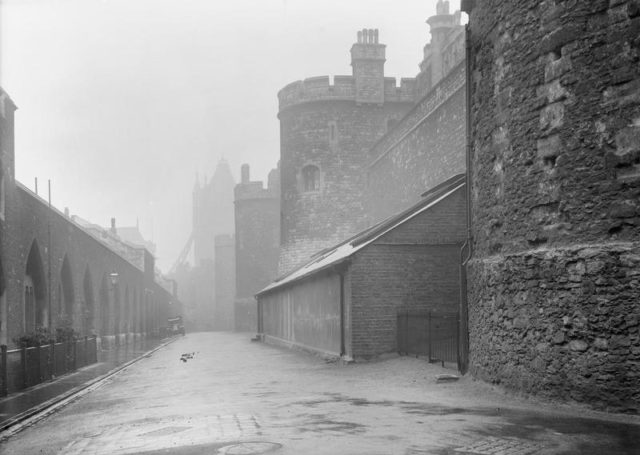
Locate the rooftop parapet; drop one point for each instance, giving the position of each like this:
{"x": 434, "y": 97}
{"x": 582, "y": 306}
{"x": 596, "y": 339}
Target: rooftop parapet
{"x": 343, "y": 88}
{"x": 317, "y": 89}
{"x": 405, "y": 92}
{"x": 247, "y": 189}
{"x": 254, "y": 190}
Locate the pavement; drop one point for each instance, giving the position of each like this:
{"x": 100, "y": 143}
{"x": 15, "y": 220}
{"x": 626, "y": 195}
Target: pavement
{"x": 21, "y": 405}
{"x": 233, "y": 396}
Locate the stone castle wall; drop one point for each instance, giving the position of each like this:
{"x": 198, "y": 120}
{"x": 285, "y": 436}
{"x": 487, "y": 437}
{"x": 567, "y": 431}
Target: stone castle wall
{"x": 423, "y": 149}
{"x": 326, "y": 130}
{"x": 554, "y": 282}
{"x": 316, "y": 219}
{"x": 257, "y": 212}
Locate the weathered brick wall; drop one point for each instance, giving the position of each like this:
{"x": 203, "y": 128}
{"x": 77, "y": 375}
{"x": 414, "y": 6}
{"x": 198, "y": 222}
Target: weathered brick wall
{"x": 424, "y": 149}
{"x": 443, "y": 223}
{"x": 553, "y": 285}
{"x": 126, "y": 306}
{"x": 386, "y": 278}
{"x": 416, "y": 266}
{"x": 7, "y": 113}
{"x": 312, "y": 220}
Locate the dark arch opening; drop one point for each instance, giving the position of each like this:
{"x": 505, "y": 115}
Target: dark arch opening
{"x": 35, "y": 293}
{"x": 117, "y": 309}
{"x": 104, "y": 307}
{"x": 126, "y": 311}
{"x": 136, "y": 311}
{"x": 88, "y": 303}
{"x": 67, "y": 295}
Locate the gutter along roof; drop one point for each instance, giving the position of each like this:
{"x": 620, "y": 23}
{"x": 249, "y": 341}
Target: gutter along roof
{"x": 340, "y": 253}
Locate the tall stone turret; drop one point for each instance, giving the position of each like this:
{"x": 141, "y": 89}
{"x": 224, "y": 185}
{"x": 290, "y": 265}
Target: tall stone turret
{"x": 326, "y": 131}
{"x": 367, "y": 61}
{"x": 257, "y": 242}
{"x": 554, "y": 280}
{"x": 444, "y": 51}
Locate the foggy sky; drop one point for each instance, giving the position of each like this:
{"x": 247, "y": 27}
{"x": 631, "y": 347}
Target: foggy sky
{"x": 121, "y": 102}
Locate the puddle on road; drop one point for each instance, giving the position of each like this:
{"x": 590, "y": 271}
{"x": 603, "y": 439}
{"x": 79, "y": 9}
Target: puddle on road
{"x": 588, "y": 435}
{"x": 320, "y": 423}
{"x": 250, "y": 448}
{"x": 166, "y": 431}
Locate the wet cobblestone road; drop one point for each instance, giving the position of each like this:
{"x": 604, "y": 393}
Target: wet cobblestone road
{"x": 238, "y": 397}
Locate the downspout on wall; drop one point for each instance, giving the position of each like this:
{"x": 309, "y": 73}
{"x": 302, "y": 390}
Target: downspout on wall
{"x": 463, "y": 349}
{"x": 342, "y": 318}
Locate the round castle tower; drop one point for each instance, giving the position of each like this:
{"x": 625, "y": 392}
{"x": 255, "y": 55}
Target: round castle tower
{"x": 326, "y": 132}
{"x": 554, "y": 282}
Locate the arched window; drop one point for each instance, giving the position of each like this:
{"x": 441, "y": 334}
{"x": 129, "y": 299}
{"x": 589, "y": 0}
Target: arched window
{"x": 65, "y": 291}
{"x": 310, "y": 178}
{"x": 88, "y": 307}
{"x": 333, "y": 133}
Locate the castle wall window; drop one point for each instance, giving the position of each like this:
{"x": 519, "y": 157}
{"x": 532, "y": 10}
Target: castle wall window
{"x": 333, "y": 133}
{"x": 310, "y": 178}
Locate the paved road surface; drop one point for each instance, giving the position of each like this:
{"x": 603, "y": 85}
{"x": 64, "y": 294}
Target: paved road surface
{"x": 238, "y": 397}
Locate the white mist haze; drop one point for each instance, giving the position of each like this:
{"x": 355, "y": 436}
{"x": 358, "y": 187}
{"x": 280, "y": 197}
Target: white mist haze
{"x": 122, "y": 102}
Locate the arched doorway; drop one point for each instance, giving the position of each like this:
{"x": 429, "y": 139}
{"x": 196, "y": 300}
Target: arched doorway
{"x": 66, "y": 297}
{"x": 136, "y": 311}
{"x": 117, "y": 310}
{"x": 104, "y": 306}
{"x": 126, "y": 312}
{"x": 88, "y": 304}
{"x": 36, "y": 311}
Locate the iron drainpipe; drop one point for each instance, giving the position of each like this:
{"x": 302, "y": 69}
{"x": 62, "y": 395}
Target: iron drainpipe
{"x": 469, "y": 142}
{"x": 467, "y": 245}
{"x": 342, "y": 335}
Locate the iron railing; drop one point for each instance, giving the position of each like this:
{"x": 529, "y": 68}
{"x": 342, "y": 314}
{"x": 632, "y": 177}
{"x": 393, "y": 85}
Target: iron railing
{"x": 431, "y": 334}
{"x": 26, "y": 367}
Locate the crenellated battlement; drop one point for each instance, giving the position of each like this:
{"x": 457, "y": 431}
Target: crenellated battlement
{"x": 343, "y": 88}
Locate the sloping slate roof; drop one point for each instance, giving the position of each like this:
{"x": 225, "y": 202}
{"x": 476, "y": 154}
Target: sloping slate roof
{"x": 337, "y": 254}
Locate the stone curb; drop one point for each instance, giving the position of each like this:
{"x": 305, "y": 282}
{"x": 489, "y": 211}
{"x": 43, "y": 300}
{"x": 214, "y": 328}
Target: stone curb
{"x": 39, "y": 412}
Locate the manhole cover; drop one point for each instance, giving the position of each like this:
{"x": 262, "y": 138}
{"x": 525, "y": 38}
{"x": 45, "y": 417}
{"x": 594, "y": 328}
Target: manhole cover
{"x": 250, "y": 448}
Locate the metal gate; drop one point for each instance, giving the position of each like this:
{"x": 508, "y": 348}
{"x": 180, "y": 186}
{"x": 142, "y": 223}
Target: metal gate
{"x": 431, "y": 334}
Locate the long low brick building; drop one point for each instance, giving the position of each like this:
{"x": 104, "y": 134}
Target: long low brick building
{"x": 345, "y": 301}
{"x": 58, "y": 271}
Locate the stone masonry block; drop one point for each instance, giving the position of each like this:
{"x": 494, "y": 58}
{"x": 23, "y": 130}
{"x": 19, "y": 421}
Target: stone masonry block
{"x": 549, "y": 146}
{"x": 559, "y": 37}
{"x": 552, "y": 117}
{"x": 553, "y": 92}
{"x": 628, "y": 141}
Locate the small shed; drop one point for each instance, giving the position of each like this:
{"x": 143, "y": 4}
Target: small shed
{"x": 345, "y": 300}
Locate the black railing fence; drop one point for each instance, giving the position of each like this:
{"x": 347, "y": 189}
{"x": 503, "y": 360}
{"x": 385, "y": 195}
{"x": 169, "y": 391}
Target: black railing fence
{"x": 26, "y": 367}
{"x": 431, "y": 334}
